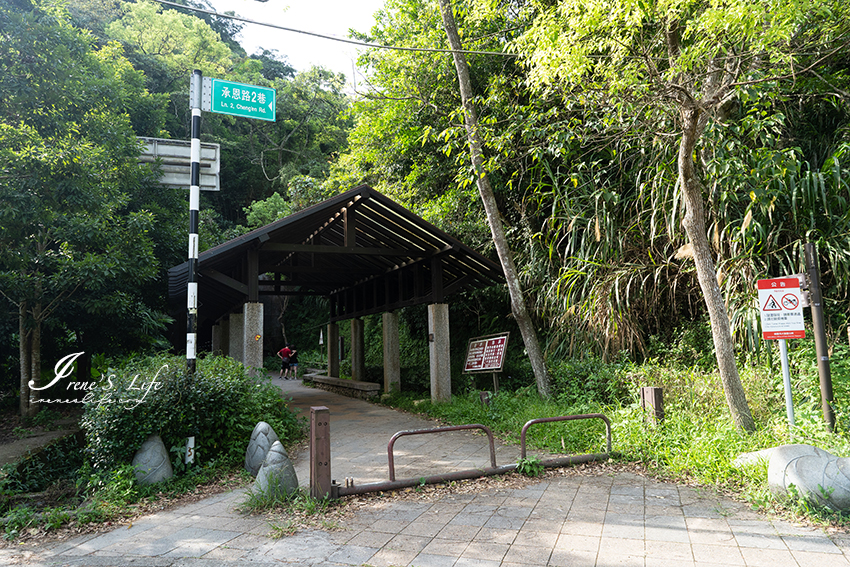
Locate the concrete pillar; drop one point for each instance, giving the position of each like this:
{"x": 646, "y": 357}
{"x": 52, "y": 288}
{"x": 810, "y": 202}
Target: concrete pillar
{"x": 253, "y": 335}
{"x": 358, "y": 350}
{"x": 216, "y": 339}
{"x": 392, "y": 358}
{"x": 237, "y": 336}
{"x": 440, "y": 352}
{"x": 333, "y": 350}
{"x": 225, "y": 335}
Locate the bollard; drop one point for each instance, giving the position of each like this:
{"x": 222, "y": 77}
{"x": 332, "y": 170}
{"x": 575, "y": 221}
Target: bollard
{"x": 652, "y": 400}
{"x": 320, "y": 452}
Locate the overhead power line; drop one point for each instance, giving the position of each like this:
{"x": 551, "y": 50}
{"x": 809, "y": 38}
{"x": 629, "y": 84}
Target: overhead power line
{"x": 331, "y": 37}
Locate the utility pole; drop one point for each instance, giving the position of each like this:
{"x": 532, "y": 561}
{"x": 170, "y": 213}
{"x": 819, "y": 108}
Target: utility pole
{"x": 821, "y": 349}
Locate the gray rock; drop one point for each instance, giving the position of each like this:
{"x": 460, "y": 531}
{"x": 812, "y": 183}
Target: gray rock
{"x": 277, "y": 475}
{"x": 262, "y": 439}
{"x": 754, "y": 458}
{"x": 152, "y": 462}
{"x": 816, "y": 475}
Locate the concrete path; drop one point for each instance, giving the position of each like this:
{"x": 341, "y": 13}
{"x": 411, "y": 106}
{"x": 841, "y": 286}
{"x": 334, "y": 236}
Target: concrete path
{"x": 603, "y": 520}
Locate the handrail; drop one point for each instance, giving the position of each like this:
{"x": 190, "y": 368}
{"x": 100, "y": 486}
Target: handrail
{"x": 565, "y": 418}
{"x": 484, "y": 428}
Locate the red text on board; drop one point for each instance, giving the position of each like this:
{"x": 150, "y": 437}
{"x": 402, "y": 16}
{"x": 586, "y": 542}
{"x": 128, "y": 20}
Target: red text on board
{"x": 781, "y": 309}
{"x": 486, "y": 354}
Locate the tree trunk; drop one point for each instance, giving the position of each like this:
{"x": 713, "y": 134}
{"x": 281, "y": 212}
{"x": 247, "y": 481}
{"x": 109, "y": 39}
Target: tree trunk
{"x": 35, "y": 361}
{"x": 24, "y": 354}
{"x": 526, "y": 328}
{"x": 694, "y": 223}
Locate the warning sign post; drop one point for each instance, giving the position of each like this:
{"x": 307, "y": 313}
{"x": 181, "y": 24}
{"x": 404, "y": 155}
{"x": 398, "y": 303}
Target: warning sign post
{"x": 781, "y": 310}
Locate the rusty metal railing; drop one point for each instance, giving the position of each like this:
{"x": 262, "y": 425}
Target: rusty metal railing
{"x": 483, "y": 428}
{"x": 350, "y": 488}
{"x": 572, "y": 459}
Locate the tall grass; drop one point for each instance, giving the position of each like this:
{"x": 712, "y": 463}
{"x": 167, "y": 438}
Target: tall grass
{"x": 696, "y": 441}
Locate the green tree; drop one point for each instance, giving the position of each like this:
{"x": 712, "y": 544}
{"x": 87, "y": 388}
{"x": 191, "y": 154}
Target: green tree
{"x": 184, "y": 43}
{"x": 686, "y": 61}
{"x": 68, "y": 153}
{"x": 482, "y": 180}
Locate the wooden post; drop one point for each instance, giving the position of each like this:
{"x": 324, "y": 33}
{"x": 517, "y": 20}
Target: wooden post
{"x": 652, "y": 400}
{"x": 320, "y": 452}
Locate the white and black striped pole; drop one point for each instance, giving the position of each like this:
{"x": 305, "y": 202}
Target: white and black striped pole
{"x": 195, "y": 92}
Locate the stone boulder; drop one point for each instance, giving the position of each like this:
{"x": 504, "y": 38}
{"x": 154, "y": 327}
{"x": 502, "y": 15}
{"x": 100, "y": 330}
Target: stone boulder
{"x": 755, "y": 458}
{"x": 262, "y": 439}
{"x": 152, "y": 461}
{"x": 277, "y": 475}
{"x": 816, "y": 475}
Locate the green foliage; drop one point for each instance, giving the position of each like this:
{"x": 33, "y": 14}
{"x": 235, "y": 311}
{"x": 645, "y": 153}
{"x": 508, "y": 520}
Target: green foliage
{"x": 297, "y": 501}
{"x": 45, "y": 418}
{"x": 589, "y": 380}
{"x": 261, "y": 213}
{"x": 19, "y": 519}
{"x": 36, "y": 472}
{"x": 530, "y": 466}
{"x": 220, "y": 406}
{"x": 181, "y": 42}
{"x": 689, "y": 346}
{"x": 77, "y": 249}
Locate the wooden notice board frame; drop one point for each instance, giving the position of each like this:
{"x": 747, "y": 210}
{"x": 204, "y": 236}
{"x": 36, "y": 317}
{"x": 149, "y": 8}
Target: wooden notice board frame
{"x": 487, "y": 354}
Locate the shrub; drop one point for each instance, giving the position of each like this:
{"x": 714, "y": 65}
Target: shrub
{"x": 587, "y": 380}
{"x": 38, "y": 471}
{"x": 219, "y": 405}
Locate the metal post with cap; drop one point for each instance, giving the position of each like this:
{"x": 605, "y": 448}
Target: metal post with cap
{"x": 195, "y": 92}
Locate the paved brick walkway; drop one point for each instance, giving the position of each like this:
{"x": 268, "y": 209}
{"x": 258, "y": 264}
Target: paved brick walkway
{"x": 600, "y": 520}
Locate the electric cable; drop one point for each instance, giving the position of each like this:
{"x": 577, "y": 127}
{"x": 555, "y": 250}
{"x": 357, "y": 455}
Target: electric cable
{"x": 331, "y": 37}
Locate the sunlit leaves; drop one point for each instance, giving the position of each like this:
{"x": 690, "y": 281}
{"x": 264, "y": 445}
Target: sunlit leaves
{"x": 183, "y": 42}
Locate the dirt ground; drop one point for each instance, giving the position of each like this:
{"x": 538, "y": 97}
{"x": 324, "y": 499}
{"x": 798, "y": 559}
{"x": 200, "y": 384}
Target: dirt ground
{"x": 16, "y": 439}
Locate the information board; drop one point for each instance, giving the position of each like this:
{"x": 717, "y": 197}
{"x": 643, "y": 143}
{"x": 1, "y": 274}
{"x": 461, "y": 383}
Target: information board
{"x": 486, "y": 354}
{"x": 781, "y": 309}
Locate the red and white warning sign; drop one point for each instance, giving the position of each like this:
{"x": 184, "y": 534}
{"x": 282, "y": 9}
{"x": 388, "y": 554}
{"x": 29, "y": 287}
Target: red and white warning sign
{"x": 781, "y": 309}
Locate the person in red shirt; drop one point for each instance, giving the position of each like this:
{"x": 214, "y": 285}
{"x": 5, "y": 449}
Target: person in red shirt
{"x": 284, "y": 355}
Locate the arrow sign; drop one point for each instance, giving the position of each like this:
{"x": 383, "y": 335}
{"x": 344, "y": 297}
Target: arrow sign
{"x": 781, "y": 311}
{"x": 238, "y": 99}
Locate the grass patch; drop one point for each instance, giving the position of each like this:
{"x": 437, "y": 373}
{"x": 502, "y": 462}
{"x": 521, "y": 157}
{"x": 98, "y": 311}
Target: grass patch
{"x": 293, "y": 511}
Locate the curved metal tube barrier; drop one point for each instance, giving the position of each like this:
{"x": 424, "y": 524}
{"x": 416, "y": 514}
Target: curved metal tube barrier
{"x": 393, "y": 484}
{"x": 562, "y": 461}
{"x": 484, "y": 428}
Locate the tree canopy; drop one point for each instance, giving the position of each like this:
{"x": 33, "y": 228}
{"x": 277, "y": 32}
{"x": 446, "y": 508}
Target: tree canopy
{"x": 68, "y": 156}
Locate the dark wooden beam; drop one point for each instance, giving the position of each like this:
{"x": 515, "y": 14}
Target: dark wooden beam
{"x": 226, "y": 280}
{"x": 325, "y": 249}
{"x": 315, "y": 270}
{"x": 348, "y": 216}
{"x": 437, "y": 280}
{"x": 283, "y": 292}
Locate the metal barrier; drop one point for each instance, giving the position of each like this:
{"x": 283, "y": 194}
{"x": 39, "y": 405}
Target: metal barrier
{"x": 350, "y": 488}
{"x": 484, "y": 428}
{"x": 561, "y": 461}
